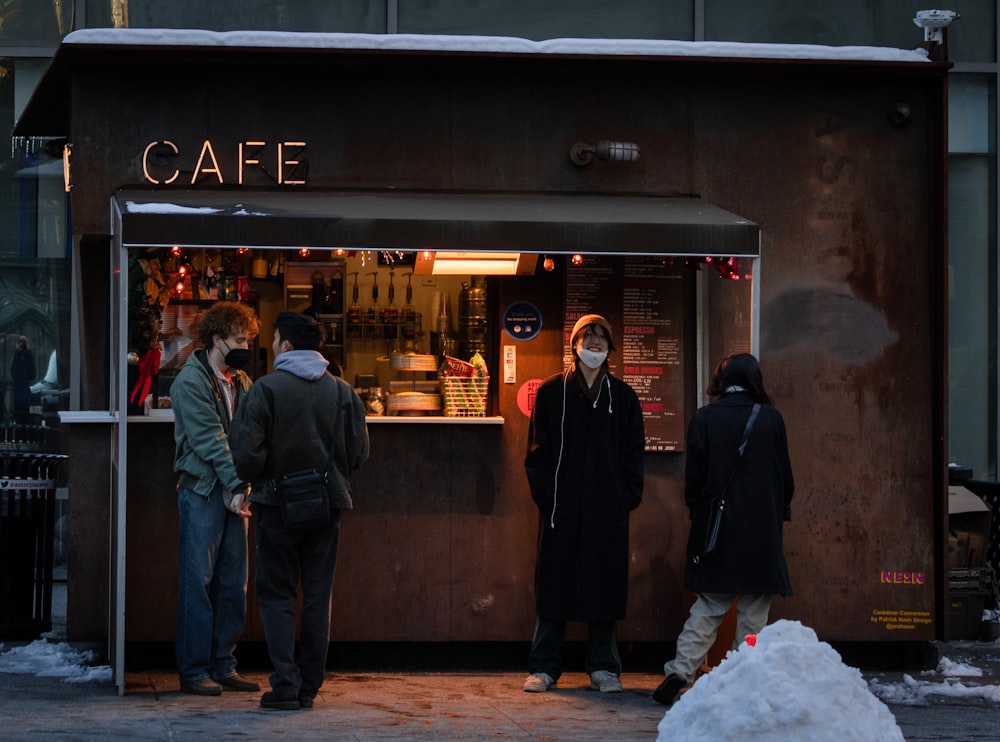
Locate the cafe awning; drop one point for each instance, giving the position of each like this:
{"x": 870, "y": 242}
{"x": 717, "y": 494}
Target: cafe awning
{"x": 394, "y": 220}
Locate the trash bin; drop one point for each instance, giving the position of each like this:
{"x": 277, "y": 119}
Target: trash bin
{"x": 27, "y": 532}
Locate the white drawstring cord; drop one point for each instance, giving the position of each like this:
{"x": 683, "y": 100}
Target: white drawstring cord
{"x": 562, "y": 436}
{"x": 607, "y": 382}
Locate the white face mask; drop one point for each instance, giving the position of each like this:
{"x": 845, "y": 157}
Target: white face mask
{"x": 592, "y": 359}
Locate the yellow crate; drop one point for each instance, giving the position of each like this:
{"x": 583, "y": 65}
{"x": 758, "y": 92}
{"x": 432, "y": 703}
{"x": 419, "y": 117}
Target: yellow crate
{"x": 465, "y": 397}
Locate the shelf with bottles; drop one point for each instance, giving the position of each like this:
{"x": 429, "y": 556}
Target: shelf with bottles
{"x": 315, "y": 287}
{"x": 398, "y": 328}
{"x": 389, "y": 321}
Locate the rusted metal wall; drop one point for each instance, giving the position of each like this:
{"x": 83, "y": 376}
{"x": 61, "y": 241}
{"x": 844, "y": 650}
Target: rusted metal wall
{"x": 851, "y": 204}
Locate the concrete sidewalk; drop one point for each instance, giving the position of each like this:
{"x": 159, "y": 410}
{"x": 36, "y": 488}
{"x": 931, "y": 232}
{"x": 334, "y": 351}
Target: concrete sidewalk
{"x": 354, "y": 706}
{"x": 416, "y": 706}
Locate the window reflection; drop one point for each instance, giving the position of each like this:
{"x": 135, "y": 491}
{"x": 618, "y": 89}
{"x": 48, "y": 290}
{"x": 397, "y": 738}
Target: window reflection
{"x": 35, "y": 22}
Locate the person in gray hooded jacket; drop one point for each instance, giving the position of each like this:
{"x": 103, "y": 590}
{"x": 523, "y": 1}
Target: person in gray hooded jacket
{"x": 299, "y": 417}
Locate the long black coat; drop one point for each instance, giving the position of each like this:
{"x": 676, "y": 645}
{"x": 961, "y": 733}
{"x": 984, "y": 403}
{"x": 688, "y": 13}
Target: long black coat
{"x": 583, "y": 549}
{"x": 750, "y": 560}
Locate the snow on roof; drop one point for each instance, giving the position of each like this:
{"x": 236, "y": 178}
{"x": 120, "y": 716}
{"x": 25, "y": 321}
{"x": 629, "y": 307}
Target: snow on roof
{"x": 486, "y": 44}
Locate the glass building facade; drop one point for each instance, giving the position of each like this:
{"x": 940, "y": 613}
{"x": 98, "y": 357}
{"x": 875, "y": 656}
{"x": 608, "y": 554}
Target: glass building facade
{"x": 36, "y": 247}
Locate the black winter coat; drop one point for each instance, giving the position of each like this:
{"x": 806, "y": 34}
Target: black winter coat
{"x": 288, "y": 423}
{"x": 750, "y": 559}
{"x": 583, "y": 546}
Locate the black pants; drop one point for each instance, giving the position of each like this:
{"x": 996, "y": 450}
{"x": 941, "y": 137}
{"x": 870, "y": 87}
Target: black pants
{"x": 286, "y": 560}
{"x": 546, "y": 648}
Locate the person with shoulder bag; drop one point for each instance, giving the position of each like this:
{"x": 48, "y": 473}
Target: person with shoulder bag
{"x": 299, "y": 436}
{"x": 738, "y": 489}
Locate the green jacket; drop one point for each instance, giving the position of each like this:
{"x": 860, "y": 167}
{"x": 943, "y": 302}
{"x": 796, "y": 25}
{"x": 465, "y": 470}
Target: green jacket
{"x": 202, "y": 455}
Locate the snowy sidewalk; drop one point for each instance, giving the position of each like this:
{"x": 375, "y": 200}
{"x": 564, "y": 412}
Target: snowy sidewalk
{"x": 959, "y": 700}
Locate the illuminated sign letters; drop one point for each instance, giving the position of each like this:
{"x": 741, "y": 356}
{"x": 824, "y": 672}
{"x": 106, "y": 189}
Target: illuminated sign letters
{"x": 163, "y": 163}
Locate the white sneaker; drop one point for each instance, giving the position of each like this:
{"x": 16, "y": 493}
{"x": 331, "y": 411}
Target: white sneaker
{"x": 538, "y": 682}
{"x": 605, "y": 682}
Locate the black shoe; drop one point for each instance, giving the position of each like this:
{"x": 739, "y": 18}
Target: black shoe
{"x": 237, "y": 682}
{"x": 272, "y": 700}
{"x": 202, "y": 687}
{"x": 305, "y": 702}
{"x": 667, "y": 691}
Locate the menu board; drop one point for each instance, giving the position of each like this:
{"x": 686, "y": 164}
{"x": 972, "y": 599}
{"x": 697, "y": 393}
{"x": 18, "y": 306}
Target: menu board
{"x": 644, "y": 301}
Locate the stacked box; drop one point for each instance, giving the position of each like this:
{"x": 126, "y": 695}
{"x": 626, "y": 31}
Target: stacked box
{"x": 970, "y": 592}
{"x": 971, "y": 580}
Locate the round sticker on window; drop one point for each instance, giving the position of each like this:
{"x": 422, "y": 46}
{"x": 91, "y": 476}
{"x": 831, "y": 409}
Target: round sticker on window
{"x": 522, "y": 320}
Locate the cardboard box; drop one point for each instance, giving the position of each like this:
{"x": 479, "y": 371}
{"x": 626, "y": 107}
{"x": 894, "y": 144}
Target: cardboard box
{"x": 969, "y": 529}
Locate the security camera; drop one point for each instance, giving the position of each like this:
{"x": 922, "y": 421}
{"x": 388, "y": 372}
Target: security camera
{"x": 932, "y": 21}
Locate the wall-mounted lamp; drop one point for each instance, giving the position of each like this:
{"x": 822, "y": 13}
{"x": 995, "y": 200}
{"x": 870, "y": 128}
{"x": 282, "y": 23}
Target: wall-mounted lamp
{"x": 582, "y": 153}
{"x": 577, "y": 259}
{"x": 932, "y": 21}
{"x": 474, "y": 263}
{"x": 549, "y": 264}
{"x": 304, "y": 252}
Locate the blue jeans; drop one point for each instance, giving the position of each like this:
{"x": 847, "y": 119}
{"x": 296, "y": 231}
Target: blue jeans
{"x": 288, "y": 560}
{"x": 212, "y": 590}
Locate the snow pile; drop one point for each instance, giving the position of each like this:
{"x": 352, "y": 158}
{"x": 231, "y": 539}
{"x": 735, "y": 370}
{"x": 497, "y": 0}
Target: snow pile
{"x": 47, "y": 660}
{"x": 789, "y": 686}
{"x": 487, "y": 44}
{"x": 914, "y": 692}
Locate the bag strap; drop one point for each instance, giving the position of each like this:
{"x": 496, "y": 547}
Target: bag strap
{"x": 743, "y": 444}
{"x": 336, "y": 426}
{"x": 333, "y": 442}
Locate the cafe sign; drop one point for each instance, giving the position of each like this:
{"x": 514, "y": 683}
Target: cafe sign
{"x": 274, "y": 163}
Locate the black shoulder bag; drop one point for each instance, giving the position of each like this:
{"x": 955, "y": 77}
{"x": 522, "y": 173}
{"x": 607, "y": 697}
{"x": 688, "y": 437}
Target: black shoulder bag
{"x": 303, "y": 497}
{"x": 717, "y": 506}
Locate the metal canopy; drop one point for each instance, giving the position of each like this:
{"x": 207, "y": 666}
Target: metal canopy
{"x": 533, "y": 223}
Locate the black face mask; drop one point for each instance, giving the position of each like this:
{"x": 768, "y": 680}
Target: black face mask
{"x": 236, "y": 357}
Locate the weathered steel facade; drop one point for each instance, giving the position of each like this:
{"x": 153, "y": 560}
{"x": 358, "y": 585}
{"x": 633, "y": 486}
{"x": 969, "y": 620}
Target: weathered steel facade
{"x": 841, "y": 163}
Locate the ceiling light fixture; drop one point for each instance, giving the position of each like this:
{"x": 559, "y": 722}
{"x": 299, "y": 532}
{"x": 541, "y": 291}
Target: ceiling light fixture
{"x": 582, "y": 153}
{"x": 443, "y": 263}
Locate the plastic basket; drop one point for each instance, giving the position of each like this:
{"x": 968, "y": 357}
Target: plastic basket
{"x": 465, "y": 397}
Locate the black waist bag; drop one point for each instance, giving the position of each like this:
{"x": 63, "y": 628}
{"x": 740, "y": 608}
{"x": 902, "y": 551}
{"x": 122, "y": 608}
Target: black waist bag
{"x": 303, "y": 499}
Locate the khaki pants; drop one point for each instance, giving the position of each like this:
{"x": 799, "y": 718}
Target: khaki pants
{"x": 703, "y": 623}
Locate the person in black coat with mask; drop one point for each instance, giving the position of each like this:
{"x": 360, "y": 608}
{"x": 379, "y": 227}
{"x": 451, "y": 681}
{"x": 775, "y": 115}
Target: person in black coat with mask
{"x": 584, "y": 464}
{"x": 749, "y": 564}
